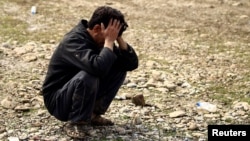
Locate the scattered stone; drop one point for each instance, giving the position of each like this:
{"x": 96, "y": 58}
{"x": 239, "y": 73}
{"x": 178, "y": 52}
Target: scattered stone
{"x": 13, "y": 138}
{"x": 22, "y": 108}
{"x": 8, "y": 103}
{"x": 192, "y": 126}
{"x": 137, "y": 120}
{"x": 177, "y": 114}
{"x": 138, "y": 100}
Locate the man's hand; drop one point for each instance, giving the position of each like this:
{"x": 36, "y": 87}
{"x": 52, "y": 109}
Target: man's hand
{"x": 122, "y": 44}
{"x": 111, "y": 32}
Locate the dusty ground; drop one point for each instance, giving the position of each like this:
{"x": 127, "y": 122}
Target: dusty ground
{"x": 190, "y": 50}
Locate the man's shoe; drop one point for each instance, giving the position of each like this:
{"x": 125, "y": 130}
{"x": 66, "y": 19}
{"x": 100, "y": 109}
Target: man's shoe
{"x": 75, "y": 130}
{"x": 101, "y": 121}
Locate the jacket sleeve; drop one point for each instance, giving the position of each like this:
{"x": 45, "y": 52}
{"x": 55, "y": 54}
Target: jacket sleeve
{"x": 80, "y": 54}
{"x": 127, "y": 60}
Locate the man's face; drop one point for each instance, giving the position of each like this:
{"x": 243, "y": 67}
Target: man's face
{"x": 98, "y": 36}
{"x": 100, "y": 39}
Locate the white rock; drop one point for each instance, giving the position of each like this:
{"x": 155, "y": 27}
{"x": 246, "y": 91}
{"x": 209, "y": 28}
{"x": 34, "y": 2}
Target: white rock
{"x": 171, "y": 86}
{"x": 137, "y": 120}
{"x": 177, "y": 114}
{"x": 241, "y": 105}
{"x": 13, "y": 139}
{"x": 160, "y": 120}
{"x": 192, "y": 126}
{"x": 8, "y": 103}
{"x": 131, "y": 85}
{"x": 186, "y": 85}
{"x": 121, "y": 130}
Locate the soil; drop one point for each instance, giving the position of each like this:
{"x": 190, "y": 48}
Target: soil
{"x": 201, "y": 45}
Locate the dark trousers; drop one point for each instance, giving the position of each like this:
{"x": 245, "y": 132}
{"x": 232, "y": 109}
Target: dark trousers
{"x": 85, "y": 94}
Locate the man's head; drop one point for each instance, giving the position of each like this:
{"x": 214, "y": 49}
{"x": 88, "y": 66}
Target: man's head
{"x": 103, "y": 15}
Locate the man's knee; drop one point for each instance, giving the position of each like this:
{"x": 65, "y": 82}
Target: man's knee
{"x": 85, "y": 79}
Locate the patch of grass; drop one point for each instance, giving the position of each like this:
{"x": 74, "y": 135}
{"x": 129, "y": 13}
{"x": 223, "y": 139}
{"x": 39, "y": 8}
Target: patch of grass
{"x": 22, "y": 27}
{"x": 125, "y": 117}
{"x": 217, "y": 48}
{"x": 246, "y": 99}
{"x": 16, "y": 30}
{"x": 229, "y": 120}
{"x": 227, "y": 95}
{"x": 179, "y": 135}
{"x": 11, "y": 28}
{"x": 170, "y": 132}
{"x": 22, "y": 2}
{"x": 236, "y": 88}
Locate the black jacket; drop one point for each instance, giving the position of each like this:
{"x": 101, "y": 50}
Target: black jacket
{"x": 78, "y": 51}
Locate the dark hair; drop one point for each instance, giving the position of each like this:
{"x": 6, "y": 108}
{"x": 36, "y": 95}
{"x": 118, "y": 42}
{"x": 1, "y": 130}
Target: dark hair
{"x": 103, "y": 14}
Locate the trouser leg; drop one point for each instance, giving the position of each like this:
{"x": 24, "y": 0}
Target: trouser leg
{"x": 108, "y": 88}
{"x": 75, "y": 101}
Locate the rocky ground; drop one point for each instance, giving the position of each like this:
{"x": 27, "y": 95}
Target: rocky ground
{"x": 189, "y": 50}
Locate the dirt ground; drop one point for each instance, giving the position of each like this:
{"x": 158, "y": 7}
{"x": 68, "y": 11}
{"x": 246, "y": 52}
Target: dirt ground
{"x": 203, "y": 42}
